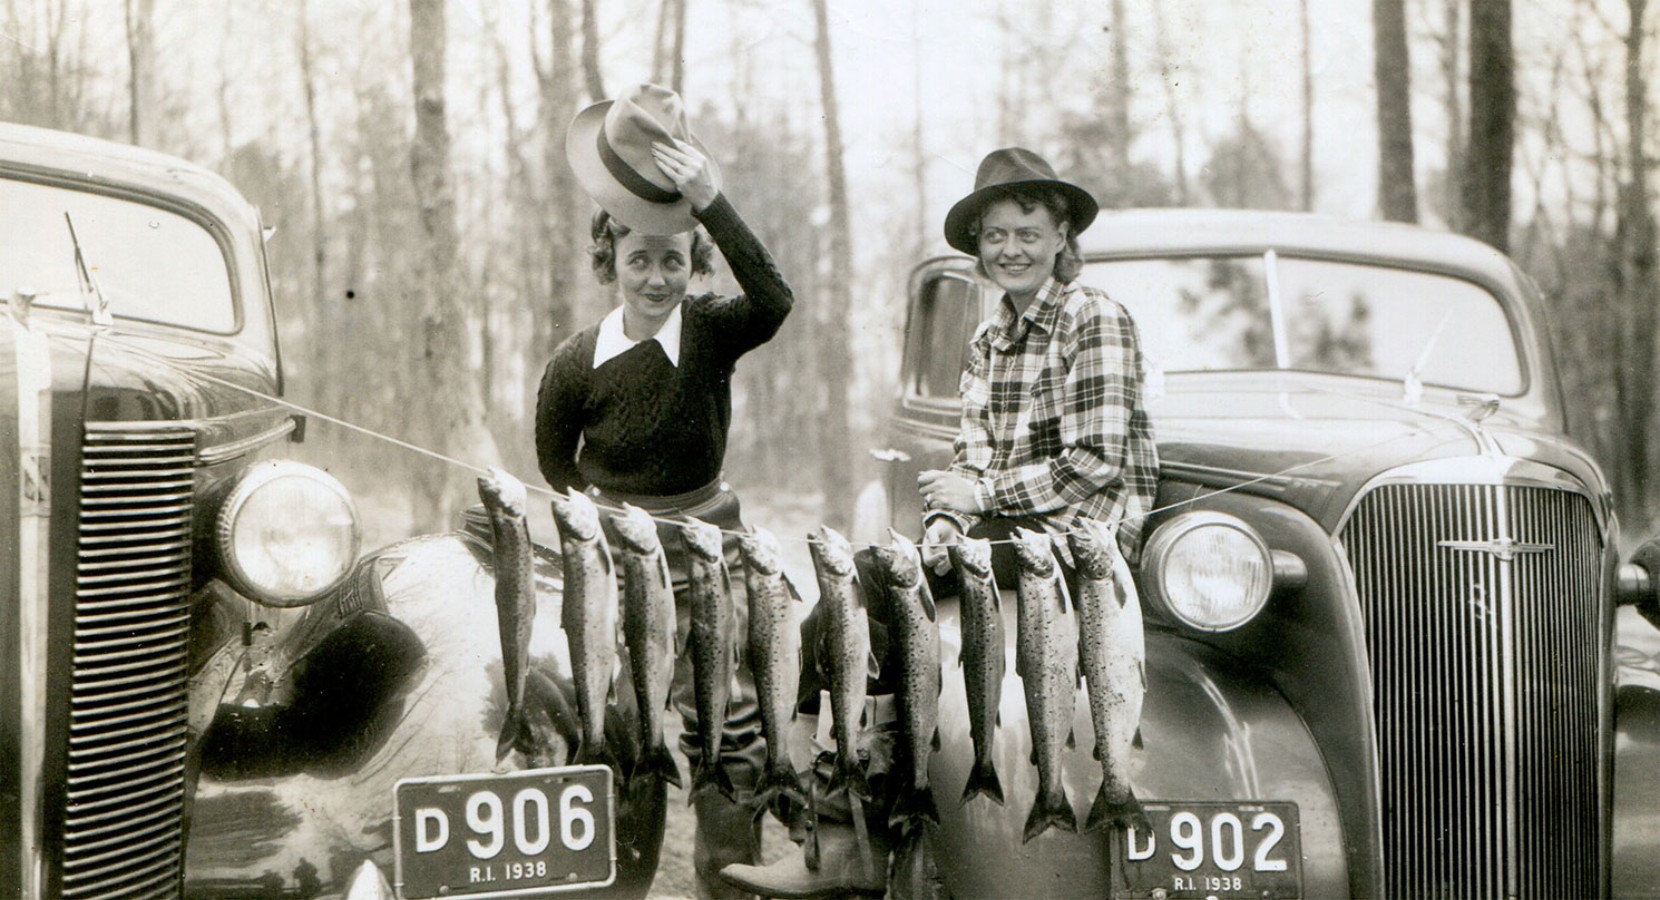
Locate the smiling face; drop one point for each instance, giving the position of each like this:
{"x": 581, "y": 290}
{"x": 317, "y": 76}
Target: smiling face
{"x": 1018, "y": 247}
{"x": 653, "y": 271}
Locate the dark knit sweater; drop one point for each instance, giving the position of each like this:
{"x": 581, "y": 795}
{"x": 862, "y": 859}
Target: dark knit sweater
{"x": 644, "y": 425}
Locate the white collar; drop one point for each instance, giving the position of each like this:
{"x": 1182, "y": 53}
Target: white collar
{"x": 612, "y": 342}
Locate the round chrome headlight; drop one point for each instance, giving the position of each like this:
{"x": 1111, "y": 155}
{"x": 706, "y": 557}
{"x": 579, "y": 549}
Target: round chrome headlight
{"x": 287, "y": 533}
{"x": 1207, "y": 570}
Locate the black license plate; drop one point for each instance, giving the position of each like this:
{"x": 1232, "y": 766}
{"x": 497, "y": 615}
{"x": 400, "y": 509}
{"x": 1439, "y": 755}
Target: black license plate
{"x": 1209, "y": 849}
{"x": 533, "y": 832}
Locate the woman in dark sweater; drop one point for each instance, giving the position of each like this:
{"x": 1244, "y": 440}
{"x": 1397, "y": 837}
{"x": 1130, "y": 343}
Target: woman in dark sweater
{"x": 636, "y": 407}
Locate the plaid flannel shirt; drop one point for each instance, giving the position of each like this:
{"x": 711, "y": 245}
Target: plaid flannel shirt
{"x": 1053, "y": 422}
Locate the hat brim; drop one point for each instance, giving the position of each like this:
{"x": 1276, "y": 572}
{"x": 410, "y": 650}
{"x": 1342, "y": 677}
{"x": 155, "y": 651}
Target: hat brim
{"x": 638, "y": 213}
{"x": 960, "y": 220}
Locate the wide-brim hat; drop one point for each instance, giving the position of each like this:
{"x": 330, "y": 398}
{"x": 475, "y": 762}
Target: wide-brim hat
{"x": 609, "y": 149}
{"x": 1008, "y": 168}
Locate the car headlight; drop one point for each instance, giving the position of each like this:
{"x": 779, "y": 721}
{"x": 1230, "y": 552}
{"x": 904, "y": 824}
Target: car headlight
{"x": 1207, "y": 570}
{"x": 287, "y": 533}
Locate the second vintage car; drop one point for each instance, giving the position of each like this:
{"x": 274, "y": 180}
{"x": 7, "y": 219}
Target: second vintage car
{"x": 1381, "y": 583}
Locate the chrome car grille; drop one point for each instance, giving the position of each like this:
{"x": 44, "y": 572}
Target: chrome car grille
{"x": 124, "y": 780}
{"x": 1482, "y": 613}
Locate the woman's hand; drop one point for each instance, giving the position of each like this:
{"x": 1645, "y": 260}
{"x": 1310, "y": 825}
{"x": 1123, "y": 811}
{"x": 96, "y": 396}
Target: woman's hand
{"x": 689, "y": 170}
{"x": 948, "y": 490}
{"x": 936, "y": 541}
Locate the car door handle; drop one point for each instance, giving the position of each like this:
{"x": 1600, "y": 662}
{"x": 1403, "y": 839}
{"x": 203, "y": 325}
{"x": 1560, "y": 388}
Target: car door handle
{"x": 889, "y": 455}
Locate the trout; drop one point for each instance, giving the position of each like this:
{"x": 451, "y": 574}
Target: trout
{"x": 982, "y": 659}
{"x": 1046, "y": 658}
{"x": 1113, "y": 656}
{"x": 589, "y": 618}
{"x": 775, "y": 658}
{"x": 648, "y": 634}
{"x": 916, "y": 636}
{"x": 714, "y": 648}
{"x": 504, "y": 500}
{"x": 846, "y": 657}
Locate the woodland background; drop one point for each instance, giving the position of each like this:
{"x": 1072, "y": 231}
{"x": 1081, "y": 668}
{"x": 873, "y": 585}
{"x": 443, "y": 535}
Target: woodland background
{"x": 428, "y": 245}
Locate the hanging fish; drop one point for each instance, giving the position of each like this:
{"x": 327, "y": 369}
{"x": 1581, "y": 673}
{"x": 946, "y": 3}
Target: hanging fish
{"x": 915, "y": 630}
{"x": 648, "y": 634}
{"x": 1046, "y": 658}
{"x": 1112, "y": 653}
{"x": 775, "y": 658}
{"x": 504, "y": 500}
{"x": 589, "y": 619}
{"x": 983, "y": 660}
{"x": 846, "y": 656}
{"x": 714, "y": 645}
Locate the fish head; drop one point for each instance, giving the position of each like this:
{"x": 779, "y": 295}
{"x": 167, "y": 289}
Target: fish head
{"x": 1090, "y": 552}
{"x": 636, "y": 531}
{"x": 498, "y": 488}
{"x": 831, "y": 551}
{"x": 761, "y": 552}
{"x": 576, "y": 516}
{"x": 1034, "y": 552}
{"x": 972, "y": 555}
{"x": 702, "y": 539}
{"x": 900, "y": 560}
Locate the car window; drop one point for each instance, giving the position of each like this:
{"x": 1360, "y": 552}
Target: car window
{"x": 942, "y": 323}
{"x": 1276, "y": 312}
{"x": 151, "y": 263}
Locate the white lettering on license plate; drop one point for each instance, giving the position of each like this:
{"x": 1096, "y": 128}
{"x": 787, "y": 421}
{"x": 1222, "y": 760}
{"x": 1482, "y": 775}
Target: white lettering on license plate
{"x": 1212, "y": 849}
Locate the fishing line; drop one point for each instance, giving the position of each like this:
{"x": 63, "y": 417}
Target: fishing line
{"x": 550, "y": 493}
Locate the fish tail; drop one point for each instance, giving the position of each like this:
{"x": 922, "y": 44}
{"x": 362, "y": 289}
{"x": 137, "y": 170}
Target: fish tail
{"x": 1050, "y": 810}
{"x": 711, "y": 776}
{"x": 659, "y": 762}
{"x": 982, "y": 780}
{"x": 511, "y": 727}
{"x": 1118, "y": 808}
{"x": 597, "y": 753}
{"x": 849, "y": 776}
{"x": 780, "y": 780}
{"x": 912, "y": 807}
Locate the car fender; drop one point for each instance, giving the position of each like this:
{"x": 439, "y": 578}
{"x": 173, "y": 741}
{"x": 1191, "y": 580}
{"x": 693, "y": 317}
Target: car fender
{"x": 1210, "y": 730}
{"x": 420, "y": 615}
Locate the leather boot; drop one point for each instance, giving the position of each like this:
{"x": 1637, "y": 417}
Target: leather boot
{"x": 840, "y": 872}
{"x": 727, "y": 833}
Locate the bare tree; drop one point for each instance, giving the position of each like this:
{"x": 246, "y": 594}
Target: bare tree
{"x": 836, "y": 473}
{"x": 454, "y": 407}
{"x": 1450, "y": 41}
{"x": 1488, "y": 160}
{"x": 144, "y": 97}
{"x": 1172, "y": 106}
{"x": 1118, "y": 91}
{"x": 590, "y": 51}
{"x": 1397, "y": 190}
{"x": 555, "y": 316}
{"x": 1635, "y": 276}
{"x": 677, "y": 60}
{"x": 319, "y": 244}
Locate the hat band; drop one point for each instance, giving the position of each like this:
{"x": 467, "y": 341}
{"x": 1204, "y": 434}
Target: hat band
{"x": 630, "y": 179}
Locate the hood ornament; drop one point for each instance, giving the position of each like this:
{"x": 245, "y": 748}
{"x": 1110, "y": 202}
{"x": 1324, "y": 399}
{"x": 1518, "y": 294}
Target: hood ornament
{"x": 1505, "y": 549}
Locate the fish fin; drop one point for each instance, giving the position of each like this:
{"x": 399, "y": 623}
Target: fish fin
{"x": 873, "y": 666}
{"x": 708, "y": 777}
{"x": 659, "y": 762}
{"x": 983, "y": 781}
{"x": 1049, "y": 811}
{"x": 1072, "y": 739}
{"x": 936, "y": 740}
{"x": 1120, "y": 809}
{"x": 913, "y": 806}
{"x": 780, "y": 782}
{"x": 1142, "y": 668}
{"x": 1136, "y": 741}
{"x": 849, "y": 776}
{"x": 511, "y": 727}
{"x": 997, "y": 717}
{"x": 1033, "y": 759}
{"x": 928, "y": 606}
{"x": 598, "y": 756}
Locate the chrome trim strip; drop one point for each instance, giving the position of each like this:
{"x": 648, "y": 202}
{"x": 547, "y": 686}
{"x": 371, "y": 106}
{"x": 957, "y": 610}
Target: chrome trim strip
{"x": 32, "y": 354}
{"x": 234, "y": 449}
{"x": 1487, "y": 469}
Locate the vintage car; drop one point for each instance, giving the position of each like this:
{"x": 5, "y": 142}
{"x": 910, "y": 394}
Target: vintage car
{"x": 1381, "y": 584}
{"x": 206, "y": 689}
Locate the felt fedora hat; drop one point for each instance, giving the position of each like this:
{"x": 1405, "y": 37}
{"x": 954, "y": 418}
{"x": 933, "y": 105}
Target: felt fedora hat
{"x": 609, "y": 148}
{"x": 1008, "y": 168}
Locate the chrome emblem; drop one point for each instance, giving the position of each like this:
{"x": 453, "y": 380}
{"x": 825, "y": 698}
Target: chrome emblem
{"x": 1506, "y": 549}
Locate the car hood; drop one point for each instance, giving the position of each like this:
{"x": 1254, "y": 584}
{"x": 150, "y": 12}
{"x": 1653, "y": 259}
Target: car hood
{"x": 1316, "y": 448}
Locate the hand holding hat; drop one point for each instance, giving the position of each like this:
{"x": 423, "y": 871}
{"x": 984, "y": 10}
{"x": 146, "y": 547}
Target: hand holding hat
{"x": 639, "y": 160}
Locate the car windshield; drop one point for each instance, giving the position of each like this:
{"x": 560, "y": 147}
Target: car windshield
{"x": 1270, "y": 312}
{"x": 151, "y": 264}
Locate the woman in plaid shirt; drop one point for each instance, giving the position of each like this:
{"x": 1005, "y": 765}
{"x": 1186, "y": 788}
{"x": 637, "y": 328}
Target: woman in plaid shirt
{"x": 1054, "y": 425}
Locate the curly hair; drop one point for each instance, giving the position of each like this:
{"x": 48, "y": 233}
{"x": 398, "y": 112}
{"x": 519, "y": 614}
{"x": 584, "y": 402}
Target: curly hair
{"x": 1069, "y": 261}
{"x": 604, "y": 231}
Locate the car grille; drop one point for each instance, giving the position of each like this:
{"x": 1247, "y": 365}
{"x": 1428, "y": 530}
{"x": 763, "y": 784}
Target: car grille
{"x": 124, "y": 782}
{"x": 1482, "y": 613}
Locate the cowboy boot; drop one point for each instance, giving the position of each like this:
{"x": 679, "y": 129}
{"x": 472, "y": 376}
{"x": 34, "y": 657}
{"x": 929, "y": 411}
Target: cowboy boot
{"x": 842, "y": 869}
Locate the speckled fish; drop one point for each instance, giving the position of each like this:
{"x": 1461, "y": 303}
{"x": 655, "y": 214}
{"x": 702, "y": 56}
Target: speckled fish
{"x": 846, "y": 656}
{"x": 1112, "y": 653}
{"x": 714, "y": 646}
{"x": 775, "y": 658}
{"x": 982, "y": 659}
{"x": 649, "y": 635}
{"x": 915, "y": 632}
{"x": 589, "y": 618}
{"x": 504, "y": 501}
{"x": 1046, "y": 658}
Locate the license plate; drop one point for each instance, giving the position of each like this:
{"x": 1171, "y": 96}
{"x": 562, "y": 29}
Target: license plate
{"x": 1206, "y": 849}
{"x": 533, "y": 832}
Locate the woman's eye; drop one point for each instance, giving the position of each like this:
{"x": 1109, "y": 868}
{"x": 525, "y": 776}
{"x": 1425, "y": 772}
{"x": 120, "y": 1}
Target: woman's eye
{"x": 674, "y": 264}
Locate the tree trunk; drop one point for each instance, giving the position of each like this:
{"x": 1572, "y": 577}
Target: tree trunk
{"x": 1397, "y": 192}
{"x": 1451, "y": 41}
{"x": 590, "y": 52}
{"x": 319, "y": 245}
{"x": 1172, "y": 105}
{"x": 1306, "y": 193}
{"x": 141, "y": 56}
{"x": 677, "y": 61}
{"x": 565, "y": 215}
{"x": 1118, "y": 94}
{"x": 1488, "y": 159}
{"x": 835, "y": 473}
{"x": 1638, "y": 298}
{"x": 451, "y": 401}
